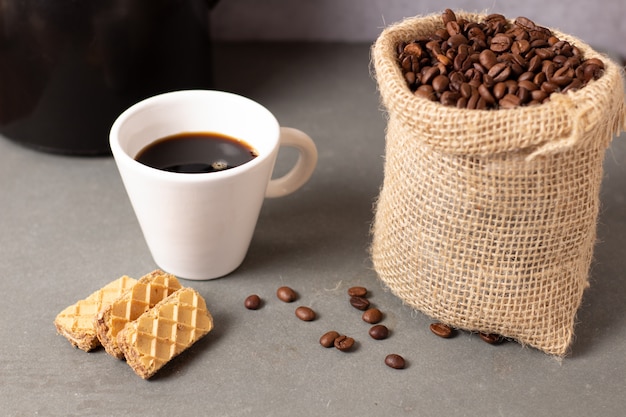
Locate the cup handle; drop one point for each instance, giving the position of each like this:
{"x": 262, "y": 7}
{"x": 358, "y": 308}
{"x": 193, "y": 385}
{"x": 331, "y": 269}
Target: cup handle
{"x": 303, "y": 168}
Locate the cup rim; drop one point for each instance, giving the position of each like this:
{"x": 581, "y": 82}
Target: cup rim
{"x": 122, "y": 156}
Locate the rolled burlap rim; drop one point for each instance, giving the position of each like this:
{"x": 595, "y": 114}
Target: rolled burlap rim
{"x": 486, "y": 219}
{"x": 568, "y": 113}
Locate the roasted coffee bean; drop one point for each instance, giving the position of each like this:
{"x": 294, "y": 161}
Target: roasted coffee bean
{"x": 456, "y": 80}
{"x": 440, "y": 83}
{"x": 410, "y": 78}
{"x": 528, "y": 85}
{"x": 487, "y": 58}
{"x": 488, "y": 81}
{"x": 595, "y": 61}
{"x": 449, "y": 98}
{"x": 426, "y": 91}
{"x": 560, "y": 60}
{"x": 591, "y": 71}
{"x": 465, "y": 90}
{"x": 503, "y": 75}
{"x": 548, "y": 68}
{"x": 443, "y": 59}
{"x": 395, "y": 361}
{"x": 525, "y": 23}
{"x": 372, "y": 315}
{"x": 572, "y": 62}
{"x": 538, "y": 95}
{"x": 434, "y": 46}
{"x": 441, "y": 34}
{"x": 540, "y": 78}
{"x": 415, "y": 66}
{"x": 499, "y": 90}
{"x": 535, "y": 64}
{"x": 509, "y": 101}
{"x": 457, "y": 39}
{"x": 511, "y": 86}
{"x": 379, "y": 332}
{"x": 305, "y": 313}
{"x": 252, "y": 302}
{"x": 429, "y": 73}
{"x": 482, "y": 104}
{"x": 357, "y": 291}
{"x": 500, "y": 43}
{"x": 486, "y": 95}
{"x": 540, "y": 33}
{"x": 500, "y": 72}
{"x": 453, "y": 29}
{"x": 555, "y": 42}
{"x": 360, "y": 303}
{"x": 479, "y": 71}
{"x": 475, "y": 33}
{"x": 413, "y": 49}
{"x": 565, "y": 72}
{"x": 518, "y": 63}
{"x": 561, "y": 80}
{"x": 472, "y": 102}
{"x": 526, "y": 76}
{"x": 492, "y": 339}
{"x": 523, "y": 95}
{"x": 448, "y": 16}
{"x": 343, "y": 343}
{"x": 286, "y": 294}
{"x": 441, "y": 330}
{"x": 520, "y": 47}
{"x": 328, "y": 339}
{"x": 544, "y": 53}
{"x": 574, "y": 85}
{"x": 459, "y": 61}
{"x": 549, "y": 87}
{"x": 406, "y": 63}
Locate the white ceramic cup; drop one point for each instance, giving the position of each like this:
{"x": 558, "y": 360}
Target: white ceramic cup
{"x": 199, "y": 226}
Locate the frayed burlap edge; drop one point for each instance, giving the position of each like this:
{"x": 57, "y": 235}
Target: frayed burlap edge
{"x": 449, "y": 145}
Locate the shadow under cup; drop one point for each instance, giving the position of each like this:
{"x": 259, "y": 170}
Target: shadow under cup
{"x": 197, "y": 226}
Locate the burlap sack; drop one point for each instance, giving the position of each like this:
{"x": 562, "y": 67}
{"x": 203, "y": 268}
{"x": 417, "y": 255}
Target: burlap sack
{"x": 486, "y": 219}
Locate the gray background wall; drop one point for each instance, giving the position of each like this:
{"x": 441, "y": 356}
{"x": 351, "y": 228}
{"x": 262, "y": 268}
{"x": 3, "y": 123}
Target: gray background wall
{"x": 601, "y": 23}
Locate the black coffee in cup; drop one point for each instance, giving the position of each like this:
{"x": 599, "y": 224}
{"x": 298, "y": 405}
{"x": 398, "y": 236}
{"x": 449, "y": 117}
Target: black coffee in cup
{"x": 196, "y": 153}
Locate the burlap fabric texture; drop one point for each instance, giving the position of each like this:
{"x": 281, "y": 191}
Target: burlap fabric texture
{"x": 486, "y": 219}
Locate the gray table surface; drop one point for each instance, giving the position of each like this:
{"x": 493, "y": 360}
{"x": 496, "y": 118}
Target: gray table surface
{"x": 67, "y": 228}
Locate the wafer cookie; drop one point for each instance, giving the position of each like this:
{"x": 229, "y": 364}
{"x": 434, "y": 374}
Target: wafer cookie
{"x": 148, "y": 291}
{"x": 76, "y": 322}
{"x": 164, "y": 331}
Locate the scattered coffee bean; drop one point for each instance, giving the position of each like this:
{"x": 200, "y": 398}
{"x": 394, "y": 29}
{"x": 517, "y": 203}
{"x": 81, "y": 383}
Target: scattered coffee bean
{"x": 395, "y": 361}
{"x": 360, "y": 303}
{"x": 478, "y": 65}
{"x": 441, "y": 330}
{"x": 305, "y": 313}
{"x": 328, "y": 339}
{"x": 286, "y": 294}
{"x": 357, "y": 291}
{"x": 491, "y": 338}
{"x": 252, "y": 302}
{"x": 379, "y": 332}
{"x": 372, "y": 316}
{"x": 344, "y": 343}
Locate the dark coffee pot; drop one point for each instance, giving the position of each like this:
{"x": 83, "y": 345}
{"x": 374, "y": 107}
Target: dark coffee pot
{"x": 68, "y": 68}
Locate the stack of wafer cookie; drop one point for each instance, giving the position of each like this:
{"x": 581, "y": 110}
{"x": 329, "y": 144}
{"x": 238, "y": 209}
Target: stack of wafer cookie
{"x": 148, "y": 321}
